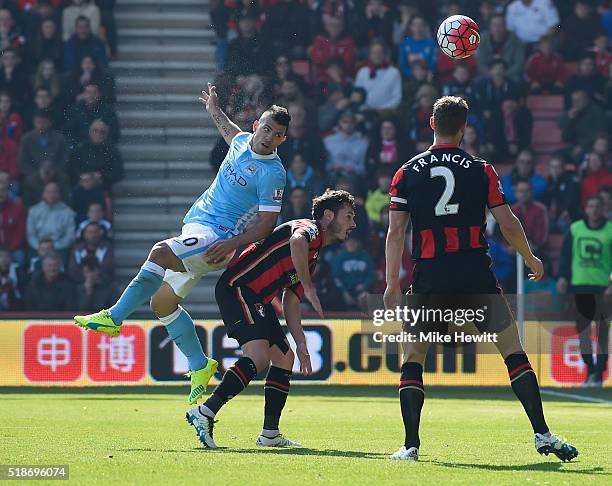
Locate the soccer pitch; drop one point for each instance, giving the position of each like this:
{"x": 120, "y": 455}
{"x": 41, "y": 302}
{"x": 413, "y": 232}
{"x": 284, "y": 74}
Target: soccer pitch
{"x": 140, "y": 436}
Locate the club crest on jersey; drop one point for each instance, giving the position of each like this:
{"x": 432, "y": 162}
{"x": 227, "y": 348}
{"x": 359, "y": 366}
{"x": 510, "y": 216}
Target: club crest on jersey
{"x": 260, "y": 309}
{"x": 251, "y": 169}
{"x": 278, "y": 195}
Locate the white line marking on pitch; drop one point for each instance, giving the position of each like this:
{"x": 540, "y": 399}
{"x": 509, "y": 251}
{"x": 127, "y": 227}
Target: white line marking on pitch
{"x": 575, "y": 396}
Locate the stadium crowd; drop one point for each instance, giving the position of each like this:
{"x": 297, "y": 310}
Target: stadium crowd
{"x": 58, "y": 154}
{"x": 359, "y": 79}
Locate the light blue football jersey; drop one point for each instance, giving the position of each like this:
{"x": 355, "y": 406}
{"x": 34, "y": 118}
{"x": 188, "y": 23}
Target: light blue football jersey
{"x": 245, "y": 184}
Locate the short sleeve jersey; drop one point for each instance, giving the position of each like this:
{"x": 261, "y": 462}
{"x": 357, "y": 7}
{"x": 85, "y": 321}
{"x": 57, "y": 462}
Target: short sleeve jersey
{"x": 266, "y": 267}
{"x": 446, "y": 191}
{"x": 245, "y": 184}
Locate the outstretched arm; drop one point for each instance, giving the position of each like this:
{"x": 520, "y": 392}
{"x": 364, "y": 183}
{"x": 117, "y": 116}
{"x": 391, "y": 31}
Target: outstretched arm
{"x": 258, "y": 228}
{"x": 227, "y": 128}
{"x": 513, "y": 231}
{"x": 299, "y": 256}
{"x": 293, "y": 319}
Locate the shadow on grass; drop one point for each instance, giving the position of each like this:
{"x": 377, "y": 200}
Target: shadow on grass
{"x": 299, "y": 389}
{"x": 291, "y": 451}
{"x": 559, "y": 467}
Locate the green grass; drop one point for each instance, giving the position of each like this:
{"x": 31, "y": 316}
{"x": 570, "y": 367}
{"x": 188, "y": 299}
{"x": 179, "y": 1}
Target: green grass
{"x": 139, "y": 436}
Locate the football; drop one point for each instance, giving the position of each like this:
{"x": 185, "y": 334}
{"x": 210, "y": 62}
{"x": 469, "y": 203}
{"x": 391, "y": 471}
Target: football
{"x": 458, "y": 36}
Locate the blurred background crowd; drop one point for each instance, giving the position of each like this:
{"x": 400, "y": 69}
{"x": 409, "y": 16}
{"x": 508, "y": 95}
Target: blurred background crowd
{"x": 359, "y": 78}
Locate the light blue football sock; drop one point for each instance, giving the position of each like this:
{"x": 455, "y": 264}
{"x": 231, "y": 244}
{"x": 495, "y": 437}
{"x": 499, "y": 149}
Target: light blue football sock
{"x": 139, "y": 291}
{"x": 181, "y": 330}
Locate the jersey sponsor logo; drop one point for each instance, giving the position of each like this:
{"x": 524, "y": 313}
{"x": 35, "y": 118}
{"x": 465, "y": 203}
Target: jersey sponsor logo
{"x": 278, "y": 194}
{"x": 260, "y": 309}
{"x": 233, "y": 177}
{"x": 293, "y": 279}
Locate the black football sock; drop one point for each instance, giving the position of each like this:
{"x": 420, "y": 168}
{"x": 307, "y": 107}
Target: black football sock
{"x": 235, "y": 379}
{"x": 525, "y": 386}
{"x": 276, "y": 391}
{"x": 412, "y": 396}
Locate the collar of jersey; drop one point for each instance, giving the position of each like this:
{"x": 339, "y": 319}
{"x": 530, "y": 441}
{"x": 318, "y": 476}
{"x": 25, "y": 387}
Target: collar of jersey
{"x": 443, "y": 146}
{"x": 259, "y": 156}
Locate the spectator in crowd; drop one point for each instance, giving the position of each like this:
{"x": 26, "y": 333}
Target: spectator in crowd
{"x": 562, "y": 195}
{"x": 47, "y": 77}
{"x": 498, "y": 43}
{"x": 419, "y": 115}
{"x": 283, "y": 71}
{"x": 329, "y": 295}
{"x": 582, "y": 123}
{"x": 219, "y": 19}
{"x": 12, "y": 221}
{"x": 247, "y": 54}
{"x": 374, "y": 21}
{"x": 34, "y": 185}
{"x": 45, "y": 248}
{"x": 299, "y": 205}
{"x": 43, "y": 101}
{"x": 93, "y": 246}
{"x": 580, "y": 30}
{"x": 300, "y": 174}
{"x": 11, "y": 36}
{"x": 353, "y": 272}
{"x": 88, "y": 72}
{"x": 333, "y": 43}
{"x": 291, "y": 93}
{"x": 461, "y": 83}
{"x": 417, "y": 45}
{"x": 603, "y": 55}
{"x": 380, "y": 80}
{"x": 601, "y": 145}
{"x": 90, "y": 108}
{"x": 346, "y": 149}
{"x": 378, "y": 198}
{"x": 605, "y": 193}
{"x": 48, "y": 43}
{"x": 525, "y": 170}
{"x": 335, "y": 102}
{"x": 503, "y": 261}
{"x": 532, "y": 214}
{"x": 608, "y": 93}
{"x": 587, "y": 78}
{"x": 286, "y": 29}
{"x": 11, "y": 283}
{"x": 94, "y": 293}
{"x": 13, "y": 77}
{"x": 545, "y": 70}
{"x": 88, "y": 190}
{"x": 50, "y": 289}
{"x": 51, "y": 219}
{"x": 80, "y": 8}
{"x": 299, "y": 139}
{"x": 11, "y": 126}
{"x": 42, "y": 143}
{"x": 8, "y": 158}
{"x": 472, "y": 145}
{"x": 83, "y": 43}
{"x": 387, "y": 149}
{"x": 406, "y": 10}
{"x": 421, "y": 76}
{"x": 585, "y": 272}
{"x": 531, "y": 20}
{"x": 97, "y": 155}
{"x": 95, "y": 214}
{"x": 596, "y": 177}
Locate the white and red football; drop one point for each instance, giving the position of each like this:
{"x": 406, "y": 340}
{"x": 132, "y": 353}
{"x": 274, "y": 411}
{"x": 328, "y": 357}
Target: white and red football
{"x": 458, "y": 36}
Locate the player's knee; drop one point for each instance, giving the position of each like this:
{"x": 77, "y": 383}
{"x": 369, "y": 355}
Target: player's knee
{"x": 160, "y": 254}
{"x": 163, "y": 306}
{"x": 286, "y": 361}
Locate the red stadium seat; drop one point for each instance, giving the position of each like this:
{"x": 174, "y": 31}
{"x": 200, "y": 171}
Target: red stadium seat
{"x": 570, "y": 68}
{"x": 546, "y": 132}
{"x": 537, "y": 103}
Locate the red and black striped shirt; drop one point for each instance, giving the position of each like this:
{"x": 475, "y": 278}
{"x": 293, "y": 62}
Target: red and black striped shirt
{"x": 266, "y": 267}
{"x": 446, "y": 191}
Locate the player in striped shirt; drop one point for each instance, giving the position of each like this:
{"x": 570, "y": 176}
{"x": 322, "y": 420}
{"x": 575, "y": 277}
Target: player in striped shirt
{"x": 281, "y": 264}
{"x": 445, "y": 192}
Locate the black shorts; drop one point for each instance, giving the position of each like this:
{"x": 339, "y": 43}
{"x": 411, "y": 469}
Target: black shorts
{"x": 464, "y": 284}
{"x": 246, "y": 318}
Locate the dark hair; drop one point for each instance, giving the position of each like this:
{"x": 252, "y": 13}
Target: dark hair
{"x": 42, "y": 114}
{"x": 331, "y": 199}
{"x": 91, "y": 263}
{"x": 82, "y": 18}
{"x": 606, "y": 189}
{"x": 450, "y": 115}
{"x": 279, "y": 114}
